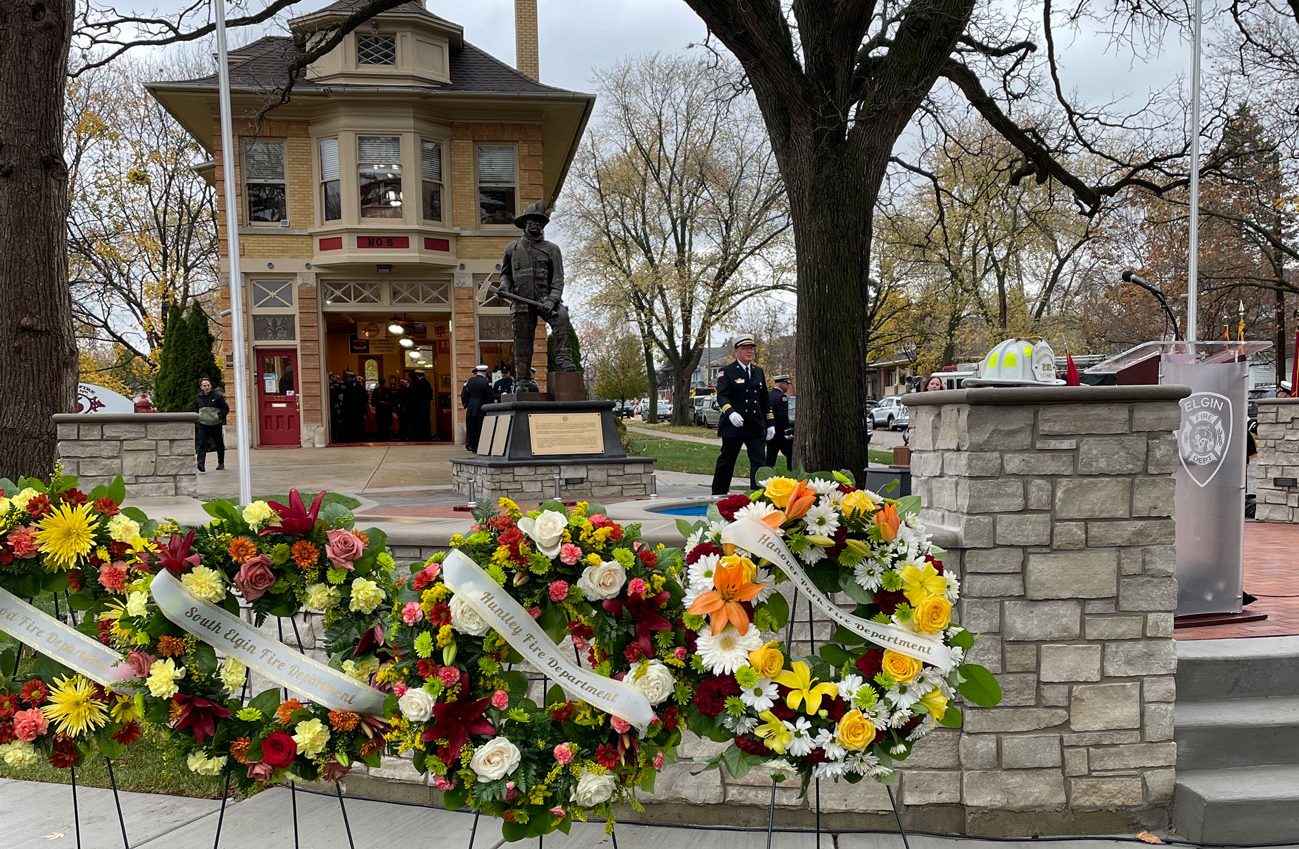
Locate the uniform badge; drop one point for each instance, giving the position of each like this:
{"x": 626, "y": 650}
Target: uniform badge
{"x": 739, "y": 380}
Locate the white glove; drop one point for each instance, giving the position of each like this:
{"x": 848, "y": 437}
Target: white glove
{"x": 771, "y": 433}
{"x": 737, "y": 419}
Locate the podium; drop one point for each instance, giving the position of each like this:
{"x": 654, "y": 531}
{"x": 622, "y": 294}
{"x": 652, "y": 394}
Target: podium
{"x": 1210, "y": 476}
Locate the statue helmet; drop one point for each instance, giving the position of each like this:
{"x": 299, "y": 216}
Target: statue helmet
{"x": 536, "y": 209}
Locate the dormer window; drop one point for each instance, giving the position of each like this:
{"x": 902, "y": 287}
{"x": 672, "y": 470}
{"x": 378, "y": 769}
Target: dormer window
{"x": 376, "y": 50}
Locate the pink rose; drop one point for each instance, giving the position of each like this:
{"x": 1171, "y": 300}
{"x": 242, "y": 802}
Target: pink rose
{"x": 558, "y": 590}
{"x": 680, "y": 653}
{"x": 449, "y": 676}
{"x": 564, "y": 754}
{"x": 412, "y": 613}
{"x": 30, "y": 724}
{"x": 343, "y": 548}
{"x": 534, "y": 612}
{"x": 255, "y": 577}
{"x": 558, "y": 811}
{"x": 619, "y": 724}
{"x": 138, "y": 663}
{"x": 260, "y": 771}
{"x": 569, "y": 554}
{"x": 500, "y": 700}
{"x": 441, "y": 782}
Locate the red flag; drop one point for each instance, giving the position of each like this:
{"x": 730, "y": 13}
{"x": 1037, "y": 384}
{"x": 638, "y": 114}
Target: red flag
{"x": 1071, "y": 377}
{"x": 1294, "y": 374}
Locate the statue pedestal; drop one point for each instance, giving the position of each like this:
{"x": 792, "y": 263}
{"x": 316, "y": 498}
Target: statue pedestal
{"x": 531, "y": 451}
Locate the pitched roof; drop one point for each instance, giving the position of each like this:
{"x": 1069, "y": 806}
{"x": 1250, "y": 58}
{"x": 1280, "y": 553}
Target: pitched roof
{"x": 414, "y": 7}
{"x": 264, "y": 63}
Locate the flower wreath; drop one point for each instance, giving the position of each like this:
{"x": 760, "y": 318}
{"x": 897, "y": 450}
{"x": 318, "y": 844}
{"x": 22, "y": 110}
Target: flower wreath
{"x": 283, "y": 560}
{"x": 53, "y": 537}
{"x": 854, "y": 709}
{"x": 540, "y": 761}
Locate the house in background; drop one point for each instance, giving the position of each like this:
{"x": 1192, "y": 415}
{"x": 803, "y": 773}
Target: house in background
{"x": 892, "y": 374}
{"x": 376, "y": 202}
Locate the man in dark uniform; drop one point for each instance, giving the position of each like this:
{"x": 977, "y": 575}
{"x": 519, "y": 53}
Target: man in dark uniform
{"x": 533, "y": 268}
{"x": 421, "y": 397}
{"x": 746, "y": 419}
{"x": 782, "y": 442}
{"x": 211, "y": 431}
{"x": 356, "y": 403}
{"x": 504, "y": 386}
{"x": 476, "y": 392}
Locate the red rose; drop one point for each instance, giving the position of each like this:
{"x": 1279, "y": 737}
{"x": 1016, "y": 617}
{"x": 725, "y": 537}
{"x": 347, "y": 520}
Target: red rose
{"x": 279, "y": 749}
{"x": 255, "y": 577}
{"x": 888, "y": 602}
{"x": 728, "y": 505}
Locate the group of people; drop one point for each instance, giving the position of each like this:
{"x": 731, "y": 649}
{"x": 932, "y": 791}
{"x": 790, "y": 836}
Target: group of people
{"x": 402, "y": 408}
{"x": 478, "y": 391}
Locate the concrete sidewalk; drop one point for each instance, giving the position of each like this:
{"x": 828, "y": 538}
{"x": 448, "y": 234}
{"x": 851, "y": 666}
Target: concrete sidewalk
{"x": 35, "y": 815}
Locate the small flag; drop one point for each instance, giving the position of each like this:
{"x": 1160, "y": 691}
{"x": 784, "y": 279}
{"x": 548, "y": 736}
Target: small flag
{"x": 1071, "y": 377}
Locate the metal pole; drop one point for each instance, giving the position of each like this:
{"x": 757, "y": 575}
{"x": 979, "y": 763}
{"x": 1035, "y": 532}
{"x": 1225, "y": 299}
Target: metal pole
{"x": 228, "y": 155}
{"x": 1193, "y": 258}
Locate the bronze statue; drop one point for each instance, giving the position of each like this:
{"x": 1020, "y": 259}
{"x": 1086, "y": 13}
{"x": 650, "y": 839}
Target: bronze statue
{"x": 532, "y": 279}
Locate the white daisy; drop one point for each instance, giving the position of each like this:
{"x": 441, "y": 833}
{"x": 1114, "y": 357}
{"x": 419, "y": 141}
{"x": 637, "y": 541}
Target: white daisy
{"x": 865, "y": 763}
{"x": 869, "y": 575}
{"x": 834, "y": 496}
{"x": 699, "y": 578}
{"x": 762, "y": 576}
{"x": 757, "y": 510}
{"x": 812, "y": 555}
{"x": 822, "y": 487}
{"x": 802, "y": 744}
{"x": 830, "y": 770}
{"x": 826, "y": 742}
{"x": 849, "y": 686}
{"x": 739, "y": 724}
{"x": 821, "y": 519}
{"x": 761, "y": 696}
{"x": 953, "y": 587}
{"x": 727, "y": 651}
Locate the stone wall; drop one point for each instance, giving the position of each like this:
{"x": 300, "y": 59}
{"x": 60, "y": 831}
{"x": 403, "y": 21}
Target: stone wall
{"x": 533, "y": 482}
{"x": 153, "y": 452}
{"x": 1278, "y": 457}
{"x": 1056, "y": 505}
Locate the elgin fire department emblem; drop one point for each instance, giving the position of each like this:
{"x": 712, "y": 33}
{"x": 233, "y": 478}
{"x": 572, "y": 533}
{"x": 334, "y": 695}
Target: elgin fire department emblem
{"x": 1205, "y": 435}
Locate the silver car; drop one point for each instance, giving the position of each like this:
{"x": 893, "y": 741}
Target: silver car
{"x": 891, "y": 413}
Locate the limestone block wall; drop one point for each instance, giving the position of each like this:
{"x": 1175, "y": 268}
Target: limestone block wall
{"x": 1056, "y": 507}
{"x": 153, "y": 452}
{"x": 615, "y": 480}
{"x": 1278, "y": 457}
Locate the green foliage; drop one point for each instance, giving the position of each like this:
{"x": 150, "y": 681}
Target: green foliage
{"x": 550, "y": 352}
{"x": 187, "y": 355}
{"x": 620, "y": 370}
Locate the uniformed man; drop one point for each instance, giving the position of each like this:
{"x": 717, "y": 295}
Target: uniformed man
{"x": 782, "y": 441}
{"x": 476, "y": 392}
{"x": 504, "y": 386}
{"x": 746, "y": 419}
{"x": 533, "y": 268}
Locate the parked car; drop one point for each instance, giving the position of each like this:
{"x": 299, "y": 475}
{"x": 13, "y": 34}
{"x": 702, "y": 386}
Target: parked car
{"x": 624, "y": 409}
{"x": 697, "y": 405}
{"x": 663, "y": 408}
{"x": 890, "y": 413}
{"x": 712, "y": 413}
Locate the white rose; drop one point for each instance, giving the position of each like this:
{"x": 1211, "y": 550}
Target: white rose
{"x": 593, "y": 789}
{"x": 495, "y": 759}
{"x": 656, "y": 682}
{"x": 416, "y": 705}
{"x": 547, "y": 531}
{"x": 465, "y": 619}
{"x": 603, "y": 581}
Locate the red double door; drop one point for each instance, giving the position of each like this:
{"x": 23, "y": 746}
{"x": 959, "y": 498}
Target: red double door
{"x": 279, "y": 420}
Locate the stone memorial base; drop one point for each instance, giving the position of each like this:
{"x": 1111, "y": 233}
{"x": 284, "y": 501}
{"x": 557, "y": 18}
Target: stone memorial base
{"x": 533, "y": 450}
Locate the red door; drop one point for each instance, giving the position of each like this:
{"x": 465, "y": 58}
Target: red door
{"x": 278, "y": 420}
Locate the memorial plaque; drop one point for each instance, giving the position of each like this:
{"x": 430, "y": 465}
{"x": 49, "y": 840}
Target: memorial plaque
{"x": 565, "y": 433}
{"x": 502, "y": 435}
{"x": 485, "y": 436}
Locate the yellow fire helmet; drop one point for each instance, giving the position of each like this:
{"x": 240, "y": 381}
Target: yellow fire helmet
{"x": 1017, "y": 362}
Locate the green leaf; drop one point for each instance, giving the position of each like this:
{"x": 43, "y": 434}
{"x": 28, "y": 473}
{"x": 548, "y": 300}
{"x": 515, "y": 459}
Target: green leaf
{"x": 685, "y": 528}
{"x": 336, "y": 515}
{"x": 117, "y": 490}
{"x": 740, "y": 763}
{"x": 765, "y": 474}
{"x": 952, "y": 718}
{"x": 553, "y": 504}
{"x": 909, "y": 505}
{"x": 554, "y": 621}
{"x": 514, "y": 831}
{"x": 856, "y": 591}
{"x": 516, "y": 683}
{"x": 979, "y": 686}
{"x": 845, "y": 477}
{"x": 963, "y": 639}
{"x": 266, "y": 702}
{"x": 777, "y": 607}
{"x": 834, "y": 655}
{"x": 135, "y": 514}
{"x": 455, "y": 798}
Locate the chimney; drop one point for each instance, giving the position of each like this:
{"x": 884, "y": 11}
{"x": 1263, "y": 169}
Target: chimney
{"x": 526, "y": 58}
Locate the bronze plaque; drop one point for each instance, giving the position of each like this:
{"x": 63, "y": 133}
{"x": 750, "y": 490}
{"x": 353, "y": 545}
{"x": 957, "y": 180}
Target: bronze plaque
{"x": 566, "y": 433}
{"x": 502, "y": 434}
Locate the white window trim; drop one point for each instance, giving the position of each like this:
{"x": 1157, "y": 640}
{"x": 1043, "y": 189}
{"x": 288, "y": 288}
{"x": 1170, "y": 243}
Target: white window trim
{"x": 246, "y": 180}
{"x": 444, "y": 151}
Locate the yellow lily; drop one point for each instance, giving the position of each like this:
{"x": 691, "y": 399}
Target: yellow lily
{"x": 919, "y": 583}
{"x": 802, "y": 688}
{"x": 773, "y": 732}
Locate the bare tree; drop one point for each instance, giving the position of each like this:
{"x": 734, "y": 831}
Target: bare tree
{"x": 680, "y": 210}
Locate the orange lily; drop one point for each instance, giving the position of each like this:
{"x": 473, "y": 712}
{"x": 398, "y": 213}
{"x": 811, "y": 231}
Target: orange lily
{"x": 733, "y": 584}
{"x": 888, "y": 521}
{"x": 800, "y": 501}
{"x": 774, "y": 520}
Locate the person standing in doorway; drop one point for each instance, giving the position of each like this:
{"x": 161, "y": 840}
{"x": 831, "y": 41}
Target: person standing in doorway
{"x": 782, "y": 441}
{"x": 382, "y": 400}
{"x": 746, "y": 419}
{"x": 212, "y": 412}
{"x": 356, "y": 403}
{"x": 421, "y": 397}
{"x": 476, "y": 393}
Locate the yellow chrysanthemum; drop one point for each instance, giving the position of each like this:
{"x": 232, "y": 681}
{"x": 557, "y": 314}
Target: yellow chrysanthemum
{"x": 73, "y": 707}
{"x": 66, "y": 535}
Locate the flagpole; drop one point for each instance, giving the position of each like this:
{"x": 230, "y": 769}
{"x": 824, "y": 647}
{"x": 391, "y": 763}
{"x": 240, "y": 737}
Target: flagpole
{"x": 1193, "y": 258}
{"x": 236, "y": 277}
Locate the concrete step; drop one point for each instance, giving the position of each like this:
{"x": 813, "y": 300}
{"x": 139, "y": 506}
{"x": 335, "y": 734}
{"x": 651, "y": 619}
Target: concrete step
{"x": 1240, "y": 668}
{"x": 1237, "y": 732}
{"x": 1244, "y": 805}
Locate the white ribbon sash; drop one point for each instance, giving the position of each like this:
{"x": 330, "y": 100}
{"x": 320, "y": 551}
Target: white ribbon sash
{"x": 509, "y": 619}
{"x": 268, "y": 657}
{"x": 59, "y": 641}
{"x": 755, "y": 537}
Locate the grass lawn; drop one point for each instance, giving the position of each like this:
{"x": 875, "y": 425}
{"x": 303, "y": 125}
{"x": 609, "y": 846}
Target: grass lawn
{"x": 682, "y": 430}
{"x": 674, "y": 455}
{"x": 330, "y": 498}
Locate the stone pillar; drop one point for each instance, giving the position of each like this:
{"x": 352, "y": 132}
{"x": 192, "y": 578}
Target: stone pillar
{"x": 1278, "y": 457}
{"x": 153, "y": 452}
{"x": 1055, "y": 505}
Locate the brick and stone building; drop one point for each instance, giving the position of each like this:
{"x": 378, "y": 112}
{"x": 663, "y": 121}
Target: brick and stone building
{"x": 380, "y": 195}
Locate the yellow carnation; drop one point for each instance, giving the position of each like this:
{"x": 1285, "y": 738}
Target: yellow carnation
{"x": 855, "y": 732}
{"x": 321, "y": 597}
{"x": 123, "y": 528}
{"x": 24, "y": 495}
{"x": 900, "y": 666}
{"x": 311, "y": 737}
{"x": 204, "y": 583}
{"x": 778, "y": 490}
{"x": 933, "y": 614}
{"x": 366, "y": 596}
{"x": 258, "y": 515}
{"x": 163, "y": 675}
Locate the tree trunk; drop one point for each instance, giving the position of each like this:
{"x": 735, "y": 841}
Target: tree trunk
{"x": 37, "y": 346}
{"x": 650, "y": 415}
{"x": 681, "y": 397}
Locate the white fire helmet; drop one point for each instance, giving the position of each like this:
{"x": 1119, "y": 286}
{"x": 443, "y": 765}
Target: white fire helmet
{"x": 1017, "y": 362}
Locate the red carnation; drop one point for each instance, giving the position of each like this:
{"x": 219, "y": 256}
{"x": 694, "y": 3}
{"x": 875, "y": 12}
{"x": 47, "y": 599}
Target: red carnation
{"x": 74, "y": 497}
{"x": 840, "y": 542}
{"x": 699, "y": 552}
{"x": 510, "y": 537}
{"x": 670, "y": 718}
{"x": 107, "y": 506}
{"x": 65, "y": 753}
{"x": 648, "y": 557}
{"x": 128, "y": 733}
{"x": 728, "y": 505}
{"x": 870, "y": 663}
{"x": 935, "y": 562}
{"x": 888, "y": 602}
{"x": 712, "y": 694}
{"x": 279, "y": 749}
{"x": 751, "y": 745}
{"x": 616, "y": 533}
{"x": 563, "y": 713}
